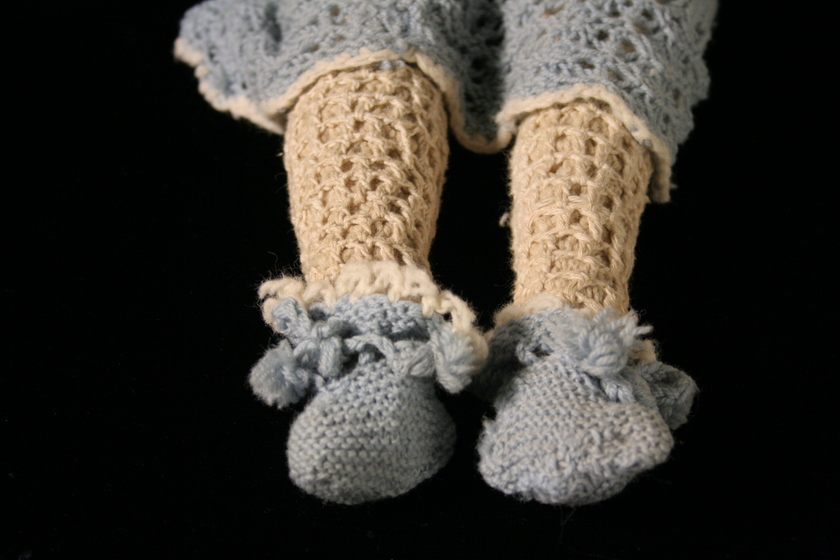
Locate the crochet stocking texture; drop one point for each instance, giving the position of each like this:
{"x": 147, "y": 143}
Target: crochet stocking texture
{"x": 365, "y": 152}
{"x": 579, "y": 184}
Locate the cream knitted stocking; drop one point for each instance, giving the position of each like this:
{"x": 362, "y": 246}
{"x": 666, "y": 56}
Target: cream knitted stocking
{"x": 579, "y": 182}
{"x": 365, "y": 151}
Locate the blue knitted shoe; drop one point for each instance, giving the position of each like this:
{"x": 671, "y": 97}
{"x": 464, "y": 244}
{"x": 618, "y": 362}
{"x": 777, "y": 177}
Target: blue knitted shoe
{"x": 575, "y": 422}
{"x": 374, "y": 428}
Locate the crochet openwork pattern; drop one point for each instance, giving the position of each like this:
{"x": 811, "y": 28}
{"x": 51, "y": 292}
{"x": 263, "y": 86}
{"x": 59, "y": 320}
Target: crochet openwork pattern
{"x": 579, "y": 181}
{"x": 495, "y": 61}
{"x": 365, "y": 151}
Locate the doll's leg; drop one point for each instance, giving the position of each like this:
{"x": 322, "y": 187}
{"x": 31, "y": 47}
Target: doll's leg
{"x": 578, "y": 420}
{"x": 365, "y": 151}
{"x": 579, "y": 183}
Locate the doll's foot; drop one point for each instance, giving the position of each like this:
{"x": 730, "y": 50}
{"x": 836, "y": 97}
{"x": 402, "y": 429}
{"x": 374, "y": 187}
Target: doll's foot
{"x": 374, "y": 428}
{"x": 574, "y": 421}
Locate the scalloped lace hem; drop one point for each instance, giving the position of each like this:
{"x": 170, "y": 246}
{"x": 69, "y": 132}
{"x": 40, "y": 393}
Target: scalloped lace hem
{"x": 271, "y": 113}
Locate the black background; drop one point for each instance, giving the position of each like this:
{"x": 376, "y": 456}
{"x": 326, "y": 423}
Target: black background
{"x": 137, "y": 223}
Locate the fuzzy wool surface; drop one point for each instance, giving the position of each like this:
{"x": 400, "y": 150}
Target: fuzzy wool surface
{"x": 575, "y": 420}
{"x": 374, "y": 427}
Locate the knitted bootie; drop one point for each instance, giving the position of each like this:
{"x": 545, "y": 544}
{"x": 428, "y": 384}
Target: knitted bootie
{"x": 374, "y": 427}
{"x": 575, "y": 419}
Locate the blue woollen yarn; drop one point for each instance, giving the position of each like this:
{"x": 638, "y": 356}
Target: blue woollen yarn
{"x": 575, "y": 420}
{"x": 374, "y": 427}
{"x": 494, "y": 60}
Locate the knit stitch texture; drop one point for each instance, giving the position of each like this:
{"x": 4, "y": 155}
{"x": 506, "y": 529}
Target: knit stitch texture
{"x": 374, "y": 428}
{"x": 575, "y": 419}
{"x": 495, "y": 61}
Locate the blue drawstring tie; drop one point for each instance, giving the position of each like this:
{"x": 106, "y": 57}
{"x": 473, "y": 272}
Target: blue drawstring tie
{"x": 315, "y": 351}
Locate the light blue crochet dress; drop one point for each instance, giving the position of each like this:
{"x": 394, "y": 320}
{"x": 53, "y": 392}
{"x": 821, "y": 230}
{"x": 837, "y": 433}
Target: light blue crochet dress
{"x": 495, "y": 60}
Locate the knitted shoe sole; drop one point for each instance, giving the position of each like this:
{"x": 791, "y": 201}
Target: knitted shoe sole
{"x": 575, "y": 423}
{"x": 374, "y": 428}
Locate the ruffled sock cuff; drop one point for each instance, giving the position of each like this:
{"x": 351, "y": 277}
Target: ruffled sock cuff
{"x": 644, "y": 351}
{"x": 396, "y": 311}
{"x": 608, "y": 347}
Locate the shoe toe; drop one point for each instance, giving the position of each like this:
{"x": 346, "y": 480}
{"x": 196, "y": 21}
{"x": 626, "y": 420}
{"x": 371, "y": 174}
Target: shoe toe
{"x": 369, "y": 435}
{"x": 557, "y": 441}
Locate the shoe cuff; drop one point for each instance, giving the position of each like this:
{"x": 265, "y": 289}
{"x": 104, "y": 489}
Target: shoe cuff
{"x": 643, "y": 351}
{"x": 398, "y": 282}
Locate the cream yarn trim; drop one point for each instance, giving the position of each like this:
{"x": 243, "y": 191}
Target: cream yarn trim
{"x": 270, "y": 114}
{"x": 517, "y": 310}
{"x": 359, "y": 279}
